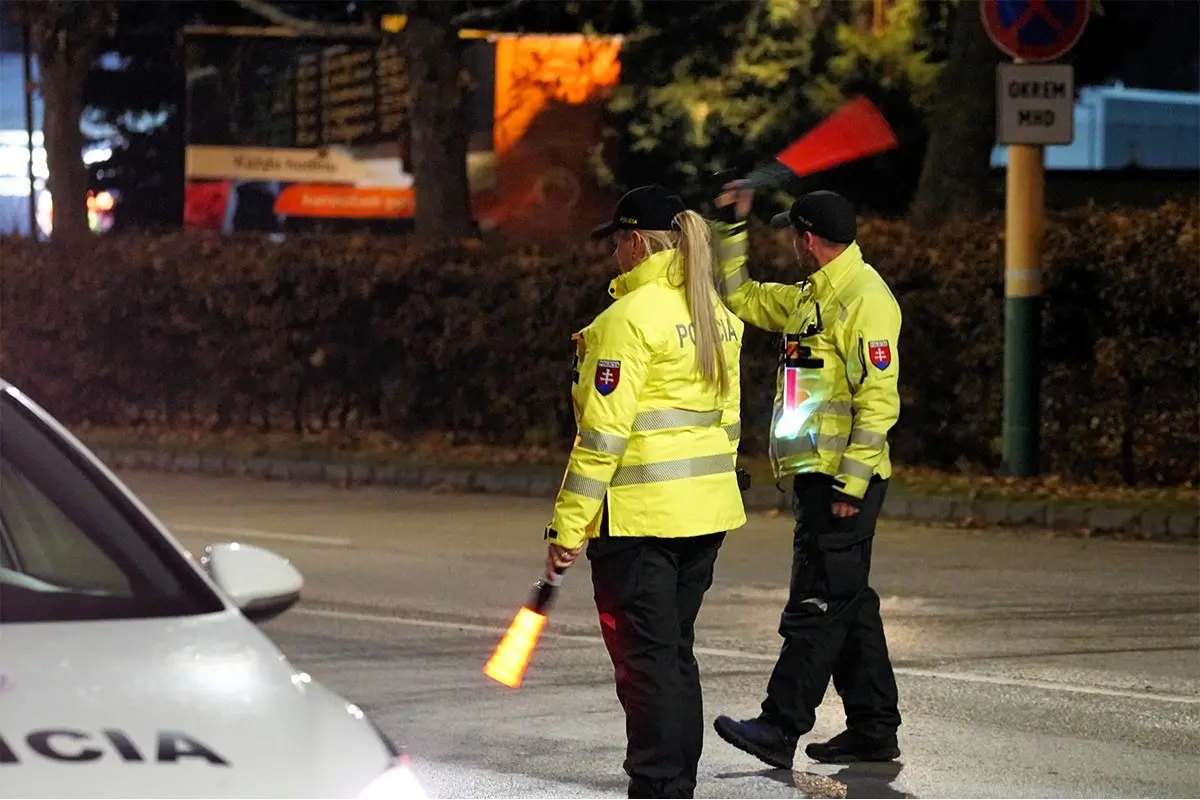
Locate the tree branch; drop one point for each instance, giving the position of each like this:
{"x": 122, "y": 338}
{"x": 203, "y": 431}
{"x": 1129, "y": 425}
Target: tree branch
{"x": 272, "y": 14}
{"x": 269, "y": 12}
{"x": 483, "y": 16}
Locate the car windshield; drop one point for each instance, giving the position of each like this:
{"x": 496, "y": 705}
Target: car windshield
{"x": 71, "y": 546}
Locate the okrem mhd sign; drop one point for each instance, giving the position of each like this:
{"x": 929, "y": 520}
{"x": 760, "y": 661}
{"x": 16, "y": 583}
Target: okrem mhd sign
{"x": 1035, "y": 104}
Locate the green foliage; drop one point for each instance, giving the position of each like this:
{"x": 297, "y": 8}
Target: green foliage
{"x": 685, "y": 112}
{"x": 893, "y": 64}
{"x": 892, "y": 59}
{"x": 374, "y": 335}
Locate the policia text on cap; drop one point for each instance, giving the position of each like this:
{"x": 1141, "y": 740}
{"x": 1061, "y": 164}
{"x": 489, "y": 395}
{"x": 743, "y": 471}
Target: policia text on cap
{"x": 651, "y": 483}
{"x": 836, "y": 399}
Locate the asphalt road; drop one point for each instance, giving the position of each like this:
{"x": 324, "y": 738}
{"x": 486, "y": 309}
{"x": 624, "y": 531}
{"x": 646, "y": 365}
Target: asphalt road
{"x": 1030, "y": 665}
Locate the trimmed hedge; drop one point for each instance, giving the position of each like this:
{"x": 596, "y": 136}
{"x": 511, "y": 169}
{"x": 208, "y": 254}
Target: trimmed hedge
{"x": 373, "y": 333}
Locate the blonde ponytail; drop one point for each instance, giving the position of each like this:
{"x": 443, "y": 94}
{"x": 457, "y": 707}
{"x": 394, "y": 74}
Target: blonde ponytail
{"x": 693, "y": 247}
{"x": 696, "y": 249}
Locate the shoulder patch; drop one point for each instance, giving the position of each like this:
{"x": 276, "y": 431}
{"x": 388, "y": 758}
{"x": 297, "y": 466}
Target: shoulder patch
{"x": 608, "y": 375}
{"x": 880, "y": 353}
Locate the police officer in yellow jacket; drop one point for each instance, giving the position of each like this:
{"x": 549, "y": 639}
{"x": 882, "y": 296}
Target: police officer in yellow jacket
{"x": 651, "y": 486}
{"x": 836, "y": 400}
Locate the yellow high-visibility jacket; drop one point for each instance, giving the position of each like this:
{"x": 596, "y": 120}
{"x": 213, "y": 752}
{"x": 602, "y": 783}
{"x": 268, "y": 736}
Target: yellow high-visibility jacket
{"x": 836, "y": 394}
{"x": 655, "y": 442}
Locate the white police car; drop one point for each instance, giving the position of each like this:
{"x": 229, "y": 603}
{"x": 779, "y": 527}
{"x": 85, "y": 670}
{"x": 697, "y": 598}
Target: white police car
{"x": 127, "y": 669}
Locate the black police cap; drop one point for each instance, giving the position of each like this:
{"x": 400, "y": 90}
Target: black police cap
{"x": 824, "y": 213}
{"x": 647, "y": 208}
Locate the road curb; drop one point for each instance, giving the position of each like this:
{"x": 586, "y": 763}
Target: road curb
{"x": 526, "y": 481}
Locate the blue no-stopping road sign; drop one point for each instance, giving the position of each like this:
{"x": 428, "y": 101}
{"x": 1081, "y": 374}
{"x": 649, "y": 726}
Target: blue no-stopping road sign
{"x": 1035, "y": 30}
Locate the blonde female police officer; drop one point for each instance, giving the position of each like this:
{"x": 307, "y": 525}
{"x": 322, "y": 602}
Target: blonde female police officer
{"x": 651, "y": 484}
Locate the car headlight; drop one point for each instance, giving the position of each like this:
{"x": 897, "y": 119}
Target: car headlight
{"x": 397, "y": 783}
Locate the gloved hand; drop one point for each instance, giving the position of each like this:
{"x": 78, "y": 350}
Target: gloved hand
{"x": 734, "y": 200}
{"x": 743, "y": 479}
{"x": 717, "y": 189}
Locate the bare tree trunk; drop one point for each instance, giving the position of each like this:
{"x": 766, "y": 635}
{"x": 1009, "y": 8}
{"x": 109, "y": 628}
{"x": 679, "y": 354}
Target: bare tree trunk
{"x": 438, "y": 123}
{"x": 62, "y": 98}
{"x": 962, "y": 128}
{"x": 65, "y": 36}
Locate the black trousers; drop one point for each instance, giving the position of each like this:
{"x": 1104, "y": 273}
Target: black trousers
{"x": 831, "y": 625}
{"x": 648, "y": 594}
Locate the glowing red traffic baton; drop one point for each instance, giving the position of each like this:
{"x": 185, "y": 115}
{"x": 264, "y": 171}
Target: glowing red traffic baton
{"x": 512, "y": 656}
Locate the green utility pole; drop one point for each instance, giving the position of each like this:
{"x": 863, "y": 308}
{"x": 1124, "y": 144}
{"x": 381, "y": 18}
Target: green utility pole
{"x": 1025, "y": 214}
{"x": 1035, "y": 106}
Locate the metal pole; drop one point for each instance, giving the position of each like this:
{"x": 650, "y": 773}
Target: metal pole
{"x": 27, "y": 53}
{"x": 1025, "y": 211}
{"x": 188, "y": 114}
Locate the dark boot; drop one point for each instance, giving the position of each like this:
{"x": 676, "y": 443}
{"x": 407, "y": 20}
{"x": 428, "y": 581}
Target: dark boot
{"x": 641, "y": 788}
{"x": 848, "y": 747}
{"x": 759, "y": 738}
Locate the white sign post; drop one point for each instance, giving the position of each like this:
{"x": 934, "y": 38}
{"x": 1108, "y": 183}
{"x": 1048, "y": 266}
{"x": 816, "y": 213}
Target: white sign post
{"x": 1035, "y": 104}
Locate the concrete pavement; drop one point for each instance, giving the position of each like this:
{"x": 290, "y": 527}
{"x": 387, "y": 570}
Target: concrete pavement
{"x": 1030, "y": 665}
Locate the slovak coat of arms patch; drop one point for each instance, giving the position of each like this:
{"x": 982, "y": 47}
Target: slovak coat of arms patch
{"x": 608, "y": 375}
{"x": 880, "y": 353}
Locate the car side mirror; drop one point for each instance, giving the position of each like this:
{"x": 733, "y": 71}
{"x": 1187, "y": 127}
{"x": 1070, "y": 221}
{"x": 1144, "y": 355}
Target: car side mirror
{"x": 261, "y": 583}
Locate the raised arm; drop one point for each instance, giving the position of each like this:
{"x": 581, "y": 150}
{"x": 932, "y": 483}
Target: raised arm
{"x": 764, "y": 305}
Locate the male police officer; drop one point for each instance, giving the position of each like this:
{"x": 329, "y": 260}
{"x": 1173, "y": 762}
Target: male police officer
{"x": 835, "y": 402}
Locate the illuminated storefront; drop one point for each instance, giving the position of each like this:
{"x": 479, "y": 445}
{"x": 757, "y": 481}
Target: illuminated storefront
{"x": 318, "y": 138}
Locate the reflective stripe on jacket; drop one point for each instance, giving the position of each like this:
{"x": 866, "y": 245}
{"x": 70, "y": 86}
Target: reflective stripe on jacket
{"x": 654, "y": 441}
{"x": 836, "y": 395}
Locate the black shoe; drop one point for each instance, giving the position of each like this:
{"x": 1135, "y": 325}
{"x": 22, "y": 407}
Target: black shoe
{"x": 760, "y": 739}
{"x": 640, "y": 788}
{"x": 849, "y": 747}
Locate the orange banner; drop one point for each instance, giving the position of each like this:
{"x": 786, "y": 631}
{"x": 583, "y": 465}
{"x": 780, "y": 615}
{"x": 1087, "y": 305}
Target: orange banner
{"x": 301, "y": 200}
